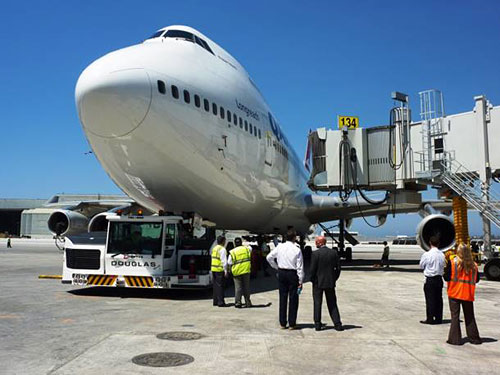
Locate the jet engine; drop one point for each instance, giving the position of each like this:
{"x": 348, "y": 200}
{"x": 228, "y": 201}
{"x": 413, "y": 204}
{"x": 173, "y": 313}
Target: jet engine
{"x": 66, "y": 222}
{"x": 99, "y": 223}
{"x": 436, "y": 225}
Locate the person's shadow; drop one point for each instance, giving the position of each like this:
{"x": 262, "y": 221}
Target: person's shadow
{"x": 484, "y": 340}
{"x": 261, "y": 305}
{"x": 325, "y": 327}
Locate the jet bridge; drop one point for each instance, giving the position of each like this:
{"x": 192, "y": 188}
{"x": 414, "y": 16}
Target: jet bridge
{"x": 457, "y": 154}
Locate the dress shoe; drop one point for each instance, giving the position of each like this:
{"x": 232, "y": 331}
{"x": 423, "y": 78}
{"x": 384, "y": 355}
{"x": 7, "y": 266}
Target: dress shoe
{"x": 425, "y": 322}
{"x": 476, "y": 342}
{"x": 338, "y": 327}
{"x": 283, "y": 327}
{"x": 453, "y": 343}
{"x": 318, "y": 328}
{"x": 249, "y": 304}
{"x": 238, "y": 306}
{"x": 222, "y": 305}
{"x": 292, "y": 328}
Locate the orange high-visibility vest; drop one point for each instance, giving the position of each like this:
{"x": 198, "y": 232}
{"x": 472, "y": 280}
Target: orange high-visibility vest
{"x": 462, "y": 285}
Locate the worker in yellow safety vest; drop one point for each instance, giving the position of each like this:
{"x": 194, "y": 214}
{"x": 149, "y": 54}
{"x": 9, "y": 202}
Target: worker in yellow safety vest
{"x": 240, "y": 262}
{"x": 219, "y": 271}
{"x": 462, "y": 275}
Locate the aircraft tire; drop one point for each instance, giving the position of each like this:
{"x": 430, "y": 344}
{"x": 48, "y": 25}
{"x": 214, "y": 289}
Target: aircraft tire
{"x": 492, "y": 269}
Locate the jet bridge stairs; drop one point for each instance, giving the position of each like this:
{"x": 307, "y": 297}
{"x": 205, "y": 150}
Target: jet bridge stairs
{"x": 467, "y": 184}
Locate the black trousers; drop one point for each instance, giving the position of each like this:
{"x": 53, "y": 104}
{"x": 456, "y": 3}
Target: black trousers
{"x": 455, "y": 335}
{"x": 219, "y": 286}
{"x": 433, "y": 289}
{"x": 331, "y": 301}
{"x": 288, "y": 285}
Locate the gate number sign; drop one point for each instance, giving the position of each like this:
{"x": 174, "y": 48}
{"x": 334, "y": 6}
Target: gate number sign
{"x": 351, "y": 122}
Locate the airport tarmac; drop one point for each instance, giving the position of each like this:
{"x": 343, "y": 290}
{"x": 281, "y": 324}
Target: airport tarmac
{"x": 50, "y": 328}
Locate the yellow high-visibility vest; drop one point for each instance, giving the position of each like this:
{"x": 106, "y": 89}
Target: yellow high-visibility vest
{"x": 216, "y": 260}
{"x": 241, "y": 259}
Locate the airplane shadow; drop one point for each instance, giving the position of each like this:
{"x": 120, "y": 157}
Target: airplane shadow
{"x": 259, "y": 285}
{"x": 170, "y": 294}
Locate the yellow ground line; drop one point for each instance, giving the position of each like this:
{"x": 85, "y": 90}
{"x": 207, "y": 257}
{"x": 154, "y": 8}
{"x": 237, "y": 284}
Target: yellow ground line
{"x": 50, "y": 277}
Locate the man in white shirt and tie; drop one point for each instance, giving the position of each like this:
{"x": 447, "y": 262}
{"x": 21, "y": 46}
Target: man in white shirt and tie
{"x": 432, "y": 262}
{"x": 287, "y": 259}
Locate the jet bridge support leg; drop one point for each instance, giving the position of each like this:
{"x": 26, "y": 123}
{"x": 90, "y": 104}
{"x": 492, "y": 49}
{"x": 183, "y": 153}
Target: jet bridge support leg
{"x": 341, "y": 243}
{"x": 482, "y": 118}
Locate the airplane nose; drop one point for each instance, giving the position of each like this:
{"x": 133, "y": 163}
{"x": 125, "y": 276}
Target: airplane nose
{"x": 112, "y": 103}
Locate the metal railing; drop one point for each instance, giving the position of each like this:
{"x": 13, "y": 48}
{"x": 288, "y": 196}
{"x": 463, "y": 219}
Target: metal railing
{"x": 468, "y": 185}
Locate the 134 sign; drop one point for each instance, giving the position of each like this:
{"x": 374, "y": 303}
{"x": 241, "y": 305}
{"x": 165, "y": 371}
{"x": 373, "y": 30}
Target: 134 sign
{"x": 350, "y": 122}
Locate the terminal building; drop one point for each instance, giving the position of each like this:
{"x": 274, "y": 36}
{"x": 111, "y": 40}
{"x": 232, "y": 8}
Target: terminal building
{"x": 28, "y": 217}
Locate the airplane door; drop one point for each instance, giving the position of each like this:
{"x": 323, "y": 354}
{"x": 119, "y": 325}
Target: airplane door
{"x": 269, "y": 159}
{"x": 170, "y": 246}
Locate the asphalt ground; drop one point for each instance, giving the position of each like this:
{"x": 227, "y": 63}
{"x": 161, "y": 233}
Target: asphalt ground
{"x": 50, "y": 328}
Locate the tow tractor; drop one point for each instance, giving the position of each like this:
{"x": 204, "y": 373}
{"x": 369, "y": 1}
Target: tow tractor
{"x": 140, "y": 252}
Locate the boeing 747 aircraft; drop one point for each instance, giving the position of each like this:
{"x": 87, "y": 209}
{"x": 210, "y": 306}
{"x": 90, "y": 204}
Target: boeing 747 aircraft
{"x": 180, "y": 126}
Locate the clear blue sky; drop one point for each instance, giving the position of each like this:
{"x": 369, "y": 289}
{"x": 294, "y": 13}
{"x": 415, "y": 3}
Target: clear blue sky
{"x": 312, "y": 60}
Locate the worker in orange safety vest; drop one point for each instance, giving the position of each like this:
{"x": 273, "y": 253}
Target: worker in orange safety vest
{"x": 462, "y": 275}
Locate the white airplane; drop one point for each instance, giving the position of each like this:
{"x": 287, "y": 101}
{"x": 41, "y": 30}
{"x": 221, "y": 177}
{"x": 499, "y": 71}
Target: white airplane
{"x": 179, "y": 126}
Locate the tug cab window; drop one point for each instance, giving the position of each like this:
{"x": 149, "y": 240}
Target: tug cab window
{"x": 135, "y": 238}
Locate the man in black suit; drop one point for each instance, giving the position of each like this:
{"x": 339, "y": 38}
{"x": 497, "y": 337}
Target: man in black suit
{"x": 325, "y": 270}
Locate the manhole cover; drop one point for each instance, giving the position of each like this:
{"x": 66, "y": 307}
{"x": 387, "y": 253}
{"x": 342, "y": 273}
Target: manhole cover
{"x": 162, "y": 359}
{"x": 179, "y": 336}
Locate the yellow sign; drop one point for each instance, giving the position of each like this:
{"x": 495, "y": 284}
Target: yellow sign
{"x": 351, "y": 122}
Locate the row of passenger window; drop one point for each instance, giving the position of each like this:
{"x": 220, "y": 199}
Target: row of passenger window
{"x": 216, "y": 110}
{"x": 281, "y": 149}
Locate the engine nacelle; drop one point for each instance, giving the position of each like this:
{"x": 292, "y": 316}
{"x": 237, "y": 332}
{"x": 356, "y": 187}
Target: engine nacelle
{"x": 66, "y": 222}
{"x": 436, "y": 225}
{"x": 99, "y": 223}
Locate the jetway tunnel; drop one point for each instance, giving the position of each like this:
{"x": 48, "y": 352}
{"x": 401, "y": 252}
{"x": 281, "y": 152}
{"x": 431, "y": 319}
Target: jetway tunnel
{"x": 456, "y": 154}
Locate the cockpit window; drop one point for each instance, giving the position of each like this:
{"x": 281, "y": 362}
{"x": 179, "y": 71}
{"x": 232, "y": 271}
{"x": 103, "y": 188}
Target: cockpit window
{"x": 157, "y": 34}
{"x": 204, "y": 44}
{"x": 179, "y": 34}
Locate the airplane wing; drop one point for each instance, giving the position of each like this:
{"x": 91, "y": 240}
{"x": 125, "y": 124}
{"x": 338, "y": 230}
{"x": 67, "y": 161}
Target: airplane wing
{"x": 90, "y": 208}
{"x": 321, "y": 208}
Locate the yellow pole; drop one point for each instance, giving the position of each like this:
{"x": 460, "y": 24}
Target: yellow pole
{"x": 460, "y": 221}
